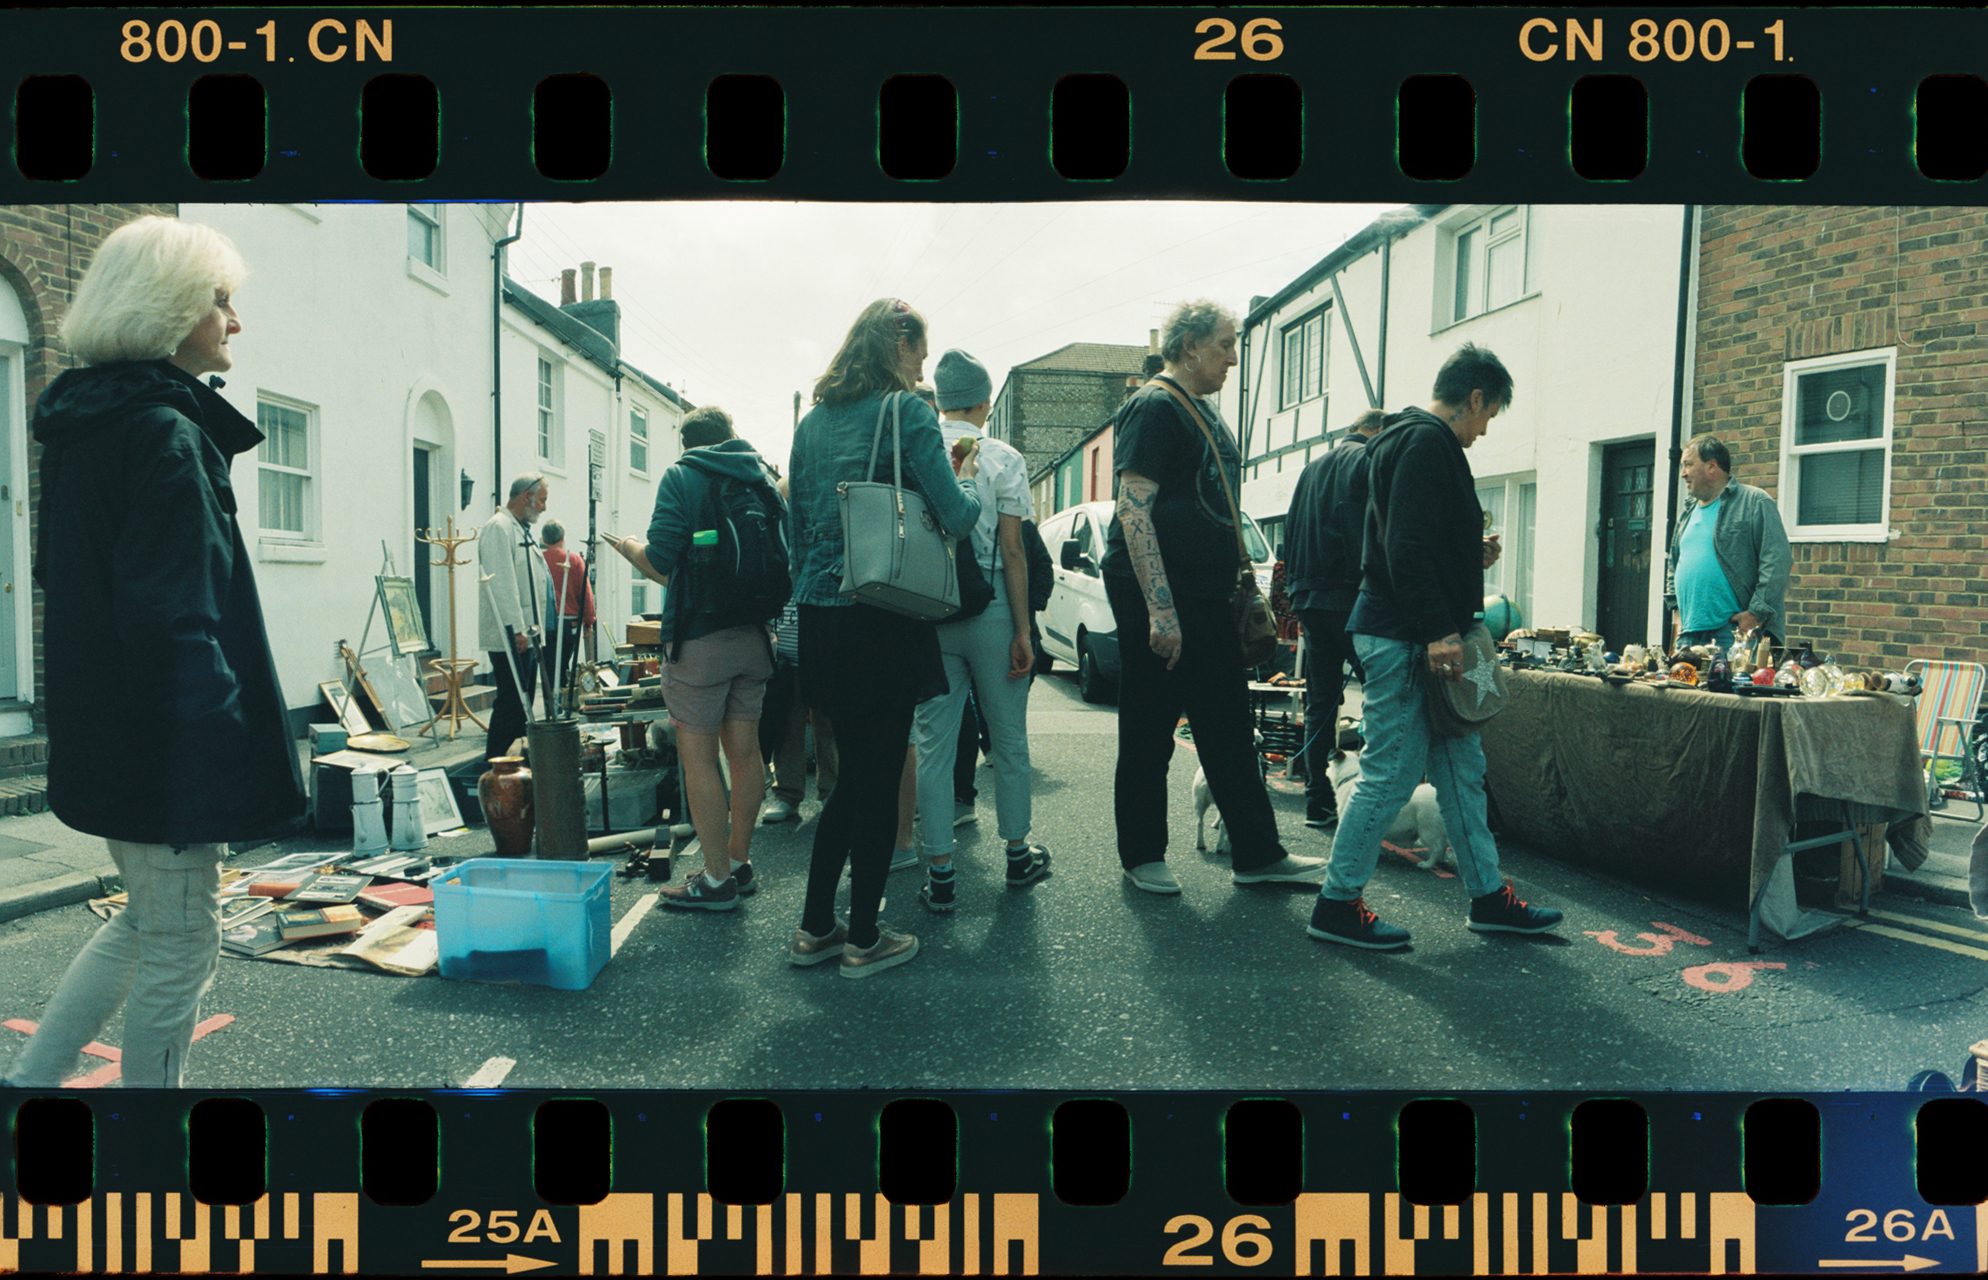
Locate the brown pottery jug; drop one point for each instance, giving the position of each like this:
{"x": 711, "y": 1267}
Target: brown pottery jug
{"x": 506, "y": 795}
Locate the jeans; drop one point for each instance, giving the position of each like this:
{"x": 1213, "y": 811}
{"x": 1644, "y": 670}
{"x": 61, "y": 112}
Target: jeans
{"x": 1328, "y": 648}
{"x": 156, "y": 957}
{"x": 783, "y": 737}
{"x": 976, "y": 653}
{"x": 1401, "y": 748}
{"x": 1718, "y": 639}
{"x": 1209, "y": 685}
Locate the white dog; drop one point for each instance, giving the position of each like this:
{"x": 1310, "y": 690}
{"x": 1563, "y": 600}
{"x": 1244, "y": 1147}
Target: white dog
{"x": 1420, "y": 821}
{"x": 1203, "y": 802}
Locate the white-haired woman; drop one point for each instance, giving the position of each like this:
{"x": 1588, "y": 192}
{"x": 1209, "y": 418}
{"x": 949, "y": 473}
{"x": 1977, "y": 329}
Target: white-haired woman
{"x": 1171, "y": 569}
{"x": 143, "y": 569}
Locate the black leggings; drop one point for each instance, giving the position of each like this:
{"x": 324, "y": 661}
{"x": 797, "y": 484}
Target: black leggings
{"x": 867, "y": 669}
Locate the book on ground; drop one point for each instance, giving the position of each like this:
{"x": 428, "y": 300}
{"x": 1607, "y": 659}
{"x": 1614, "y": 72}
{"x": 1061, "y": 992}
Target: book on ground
{"x": 402, "y": 941}
{"x": 318, "y": 923}
{"x": 257, "y": 936}
{"x": 386, "y": 897}
{"x": 328, "y": 888}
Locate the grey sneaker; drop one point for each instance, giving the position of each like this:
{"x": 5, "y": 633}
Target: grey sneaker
{"x": 808, "y": 949}
{"x": 891, "y": 949}
{"x": 904, "y": 859}
{"x": 1290, "y": 869}
{"x": 778, "y": 811}
{"x": 1153, "y": 877}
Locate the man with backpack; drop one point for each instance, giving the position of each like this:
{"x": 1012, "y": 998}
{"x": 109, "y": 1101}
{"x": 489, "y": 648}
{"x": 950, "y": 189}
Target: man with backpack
{"x": 718, "y": 535}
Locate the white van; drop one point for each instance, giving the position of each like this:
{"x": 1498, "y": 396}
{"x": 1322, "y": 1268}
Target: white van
{"x": 1077, "y": 625}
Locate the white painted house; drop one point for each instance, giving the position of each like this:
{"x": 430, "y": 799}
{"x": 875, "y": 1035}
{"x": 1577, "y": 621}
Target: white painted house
{"x": 1582, "y": 304}
{"x": 371, "y": 333}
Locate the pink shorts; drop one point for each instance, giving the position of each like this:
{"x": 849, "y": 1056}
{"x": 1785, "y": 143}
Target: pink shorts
{"x": 718, "y": 677}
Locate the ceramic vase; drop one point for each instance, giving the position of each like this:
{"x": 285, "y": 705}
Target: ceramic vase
{"x": 506, "y": 795}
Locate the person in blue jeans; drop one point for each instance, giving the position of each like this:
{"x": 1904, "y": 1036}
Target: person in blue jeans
{"x": 1423, "y": 558}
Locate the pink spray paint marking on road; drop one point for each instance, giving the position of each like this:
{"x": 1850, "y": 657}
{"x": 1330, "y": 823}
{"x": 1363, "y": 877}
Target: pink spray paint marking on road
{"x": 1731, "y": 975}
{"x": 1660, "y": 944}
{"x": 114, "y": 1057}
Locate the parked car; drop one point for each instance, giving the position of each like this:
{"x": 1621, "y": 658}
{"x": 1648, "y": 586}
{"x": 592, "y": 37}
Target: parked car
{"x": 1077, "y": 626}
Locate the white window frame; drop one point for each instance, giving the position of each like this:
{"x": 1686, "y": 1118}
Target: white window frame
{"x": 431, "y": 214}
{"x": 1477, "y": 256}
{"x": 1313, "y": 341}
{"x": 274, "y": 542}
{"x": 548, "y": 384}
{"x": 638, "y": 593}
{"x": 1792, "y": 454}
{"x": 643, "y": 437}
{"x": 1513, "y": 575}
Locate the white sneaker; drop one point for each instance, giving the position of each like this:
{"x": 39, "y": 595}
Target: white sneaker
{"x": 964, "y": 814}
{"x": 1290, "y": 869}
{"x": 1154, "y": 877}
{"x": 777, "y": 811}
{"x": 904, "y": 858}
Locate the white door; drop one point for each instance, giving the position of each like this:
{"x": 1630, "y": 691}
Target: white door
{"x": 13, "y": 493}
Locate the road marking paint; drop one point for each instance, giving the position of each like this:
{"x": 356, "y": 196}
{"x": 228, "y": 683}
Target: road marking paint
{"x": 490, "y": 1074}
{"x": 1959, "y": 931}
{"x": 113, "y": 1056}
{"x": 633, "y": 918}
{"x": 1660, "y": 944}
{"x": 1941, "y": 944}
{"x": 1729, "y": 975}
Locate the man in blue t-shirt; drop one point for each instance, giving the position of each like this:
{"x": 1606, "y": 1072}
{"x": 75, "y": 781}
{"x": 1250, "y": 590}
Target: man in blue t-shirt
{"x": 1728, "y": 570}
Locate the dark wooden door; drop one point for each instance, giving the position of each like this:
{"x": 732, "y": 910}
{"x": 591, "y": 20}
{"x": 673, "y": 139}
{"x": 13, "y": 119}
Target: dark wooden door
{"x": 1622, "y": 611}
{"x": 423, "y": 553}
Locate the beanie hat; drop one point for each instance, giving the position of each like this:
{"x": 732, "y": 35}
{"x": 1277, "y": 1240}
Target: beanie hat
{"x": 961, "y": 381}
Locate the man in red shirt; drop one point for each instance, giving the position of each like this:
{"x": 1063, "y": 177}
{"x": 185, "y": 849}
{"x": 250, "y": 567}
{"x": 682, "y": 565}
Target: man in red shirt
{"x": 575, "y": 597}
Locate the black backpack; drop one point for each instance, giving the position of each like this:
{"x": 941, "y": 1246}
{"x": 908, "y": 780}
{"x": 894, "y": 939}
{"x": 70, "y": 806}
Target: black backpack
{"x": 745, "y": 577}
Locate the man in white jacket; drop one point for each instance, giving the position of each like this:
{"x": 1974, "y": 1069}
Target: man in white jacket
{"x": 511, "y": 605}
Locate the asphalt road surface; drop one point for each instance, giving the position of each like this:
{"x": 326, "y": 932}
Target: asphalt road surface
{"x": 1087, "y": 982}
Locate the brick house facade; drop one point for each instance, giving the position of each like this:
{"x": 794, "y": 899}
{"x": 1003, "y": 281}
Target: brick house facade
{"x": 1049, "y": 405}
{"x": 44, "y": 249}
{"x": 1846, "y": 349}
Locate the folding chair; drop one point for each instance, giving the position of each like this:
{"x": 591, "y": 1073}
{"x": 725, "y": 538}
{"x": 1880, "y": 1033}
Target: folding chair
{"x": 1949, "y": 700}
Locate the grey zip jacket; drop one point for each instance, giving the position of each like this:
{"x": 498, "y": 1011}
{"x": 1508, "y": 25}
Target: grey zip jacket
{"x": 1752, "y": 547}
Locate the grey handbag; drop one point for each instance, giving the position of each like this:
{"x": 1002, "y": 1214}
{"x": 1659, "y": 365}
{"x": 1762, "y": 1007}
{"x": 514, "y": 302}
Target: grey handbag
{"x": 1459, "y": 708}
{"x": 894, "y": 554}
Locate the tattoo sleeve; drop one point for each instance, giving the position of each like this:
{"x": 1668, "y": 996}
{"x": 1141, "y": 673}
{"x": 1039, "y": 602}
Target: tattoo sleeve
{"x": 1136, "y": 495}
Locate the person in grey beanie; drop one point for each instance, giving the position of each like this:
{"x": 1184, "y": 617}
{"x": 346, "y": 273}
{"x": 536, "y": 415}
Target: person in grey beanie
{"x": 990, "y": 652}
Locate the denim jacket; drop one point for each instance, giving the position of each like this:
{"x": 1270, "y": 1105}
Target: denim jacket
{"x": 831, "y": 446}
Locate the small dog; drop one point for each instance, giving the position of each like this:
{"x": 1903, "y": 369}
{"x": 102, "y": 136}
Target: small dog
{"x": 1204, "y": 800}
{"x": 1420, "y": 821}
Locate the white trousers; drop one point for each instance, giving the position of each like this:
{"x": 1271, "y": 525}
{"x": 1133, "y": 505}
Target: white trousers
{"x": 160, "y": 952}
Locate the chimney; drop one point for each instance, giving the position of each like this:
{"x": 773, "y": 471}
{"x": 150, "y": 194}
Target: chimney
{"x": 586, "y": 282}
{"x": 607, "y": 283}
{"x": 566, "y": 295}
{"x": 1152, "y": 341}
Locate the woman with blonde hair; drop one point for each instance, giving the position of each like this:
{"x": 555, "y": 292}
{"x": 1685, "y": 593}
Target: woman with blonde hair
{"x": 865, "y": 667}
{"x": 143, "y": 568}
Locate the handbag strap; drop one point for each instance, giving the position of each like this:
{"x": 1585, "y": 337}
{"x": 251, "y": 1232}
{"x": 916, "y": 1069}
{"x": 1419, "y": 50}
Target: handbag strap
{"x": 890, "y": 402}
{"x": 1235, "y": 511}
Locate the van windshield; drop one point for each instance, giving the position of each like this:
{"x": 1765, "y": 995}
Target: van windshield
{"x": 1253, "y": 539}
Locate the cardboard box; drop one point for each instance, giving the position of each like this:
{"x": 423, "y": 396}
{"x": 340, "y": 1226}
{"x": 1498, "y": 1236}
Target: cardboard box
{"x": 541, "y": 921}
{"x": 643, "y": 632}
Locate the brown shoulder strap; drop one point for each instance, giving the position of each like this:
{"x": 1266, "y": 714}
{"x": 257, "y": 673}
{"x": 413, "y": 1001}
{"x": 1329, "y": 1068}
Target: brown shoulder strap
{"x": 1235, "y": 510}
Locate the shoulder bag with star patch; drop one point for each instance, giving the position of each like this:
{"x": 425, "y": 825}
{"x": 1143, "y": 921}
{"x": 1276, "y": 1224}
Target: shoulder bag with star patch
{"x": 1459, "y": 708}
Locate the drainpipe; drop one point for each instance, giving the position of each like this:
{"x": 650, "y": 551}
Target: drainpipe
{"x": 1686, "y": 329}
{"x": 496, "y": 362}
{"x": 1380, "y": 357}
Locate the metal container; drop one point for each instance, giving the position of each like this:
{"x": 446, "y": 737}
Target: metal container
{"x": 556, "y": 791}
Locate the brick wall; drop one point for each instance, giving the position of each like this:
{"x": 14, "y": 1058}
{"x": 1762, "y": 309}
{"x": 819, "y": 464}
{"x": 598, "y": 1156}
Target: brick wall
{"x": 1055, "y": 409}
{"x": 1781, "y": 283}
{"x": 44, "y": 249}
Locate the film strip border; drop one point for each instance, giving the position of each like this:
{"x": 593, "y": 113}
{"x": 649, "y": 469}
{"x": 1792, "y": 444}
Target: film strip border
{"x": 963, "y": 105}
{"x": 1275, "y": 104}
{"x": 330, "y": 1182}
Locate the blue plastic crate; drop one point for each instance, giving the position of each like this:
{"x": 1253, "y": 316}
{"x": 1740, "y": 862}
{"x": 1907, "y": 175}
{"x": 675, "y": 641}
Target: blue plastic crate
{"x": 525, "y": 920}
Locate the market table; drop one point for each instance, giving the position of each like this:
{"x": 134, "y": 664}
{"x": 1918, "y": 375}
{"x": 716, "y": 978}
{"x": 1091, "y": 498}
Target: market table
{"x": 1677, "y": 782}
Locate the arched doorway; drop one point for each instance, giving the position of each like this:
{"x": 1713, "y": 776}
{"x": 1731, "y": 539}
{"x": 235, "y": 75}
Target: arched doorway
{"x": 16, "y": 644}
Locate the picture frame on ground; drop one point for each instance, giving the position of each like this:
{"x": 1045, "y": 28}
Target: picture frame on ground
{"x": 438, "y": 802}
{"x": 344, "y": 707}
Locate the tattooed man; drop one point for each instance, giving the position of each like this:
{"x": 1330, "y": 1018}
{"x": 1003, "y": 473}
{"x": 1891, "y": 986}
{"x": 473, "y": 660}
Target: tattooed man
{"x": 1171, "y": 569}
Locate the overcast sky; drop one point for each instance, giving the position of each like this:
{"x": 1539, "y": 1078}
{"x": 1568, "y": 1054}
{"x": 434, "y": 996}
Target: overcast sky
{"x": 741, "y": 304}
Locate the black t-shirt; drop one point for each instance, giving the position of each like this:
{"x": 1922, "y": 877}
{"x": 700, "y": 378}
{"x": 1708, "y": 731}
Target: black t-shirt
{"x": 1156, "y": 438}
